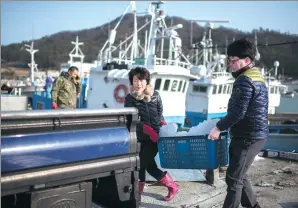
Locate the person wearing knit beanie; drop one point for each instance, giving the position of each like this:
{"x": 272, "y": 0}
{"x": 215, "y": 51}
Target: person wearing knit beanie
{"x": 242, "y": 48}
{"x": 247, "y": 122}
{"x": 241, "y": 55}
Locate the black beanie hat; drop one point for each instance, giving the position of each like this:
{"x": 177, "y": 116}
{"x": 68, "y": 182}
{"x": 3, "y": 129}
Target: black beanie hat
{"x": 242, "y": 48}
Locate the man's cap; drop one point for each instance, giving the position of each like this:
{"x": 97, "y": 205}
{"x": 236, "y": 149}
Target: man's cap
{"x": 242, "y": 48}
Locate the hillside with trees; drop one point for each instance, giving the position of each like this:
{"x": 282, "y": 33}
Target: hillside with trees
{"x": 54, "y": 49}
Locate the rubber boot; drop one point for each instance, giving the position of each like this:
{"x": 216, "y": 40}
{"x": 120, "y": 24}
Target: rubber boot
{"x": 173, "y": 188}
{"x": 141, "y": 189}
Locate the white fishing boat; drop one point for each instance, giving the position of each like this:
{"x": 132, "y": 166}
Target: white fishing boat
{"x": 208, "y": 95}
{"x": 109, "y": 84}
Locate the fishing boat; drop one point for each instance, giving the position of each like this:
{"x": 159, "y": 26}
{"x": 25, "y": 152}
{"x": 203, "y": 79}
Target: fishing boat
{"x": 170, "y": 75}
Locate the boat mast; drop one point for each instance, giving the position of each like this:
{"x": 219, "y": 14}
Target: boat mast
{"x": 76, "y": 52}
{"x": 32, "y": 65}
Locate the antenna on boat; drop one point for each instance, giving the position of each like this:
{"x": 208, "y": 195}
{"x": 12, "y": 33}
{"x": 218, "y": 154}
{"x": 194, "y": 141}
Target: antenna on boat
{"x": 77, "y": 53}
{"x": 227, "y": 43}
{"x": 109, "y": 19}
{"x": 111, "y": 40}
{"x": 134, "y": 47}
{"x": 258, "y": 55}
{"x": 206, "y": 42}
{"x": 191, "y": 33}
{"x": 209, "y": 26}
{"x": 276, "y": 65}
{"x": 32, "y": 31}
{"x": 158, "y": 31}
{"x": 32, "y": 65}
{"x": 226, "y": 50}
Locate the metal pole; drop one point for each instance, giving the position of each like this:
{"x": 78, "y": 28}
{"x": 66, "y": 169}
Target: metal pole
{"x": 66, "y": 113}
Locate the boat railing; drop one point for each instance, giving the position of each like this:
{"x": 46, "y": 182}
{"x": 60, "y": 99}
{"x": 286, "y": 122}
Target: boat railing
{"x": 13, "y": 82}
{"x": 220, "y": 74}
{"x": 122, "y": 61}
{"x": 158, "y": 61}
{"x": 163, "y": 61}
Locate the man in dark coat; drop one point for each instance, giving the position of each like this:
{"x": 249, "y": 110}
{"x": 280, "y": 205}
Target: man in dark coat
{"x": 247, "y": 119}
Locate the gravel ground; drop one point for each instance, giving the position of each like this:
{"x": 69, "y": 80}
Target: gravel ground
{"x": 275, "y": 182}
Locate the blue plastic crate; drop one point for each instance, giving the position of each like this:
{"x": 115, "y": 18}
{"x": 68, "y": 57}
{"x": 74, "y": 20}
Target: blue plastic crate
{"x": 193, "y": 152}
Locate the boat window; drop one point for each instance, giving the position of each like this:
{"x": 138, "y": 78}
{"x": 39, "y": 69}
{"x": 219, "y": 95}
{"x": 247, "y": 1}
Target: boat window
{"x": 203, "y": 89}
{"x": 166, "y": 85}
{"x": 157, "y": 84}
{"x": 282, "y": 90}
{"x": 230, "y": 89}
{"x": 214, "y": 89}
{"x": 225, "y": 89}
{"x": 219, "y": 89}
{"x": 275, "y": 90}
{"x": 271, "y": 90}
{"x": 197, "y": 88}
{"x": 40, "y": 105}
{"x": 174, "y": 86}
{"x": 180, "y": 85}
{"x": 184, "y": 86}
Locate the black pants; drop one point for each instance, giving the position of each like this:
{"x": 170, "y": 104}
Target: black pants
{"x": 242, "y": 153}
{"x": 147, "y": 162}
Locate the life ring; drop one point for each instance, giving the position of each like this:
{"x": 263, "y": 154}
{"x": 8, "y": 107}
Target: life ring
{"x": 120, "y": 97}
